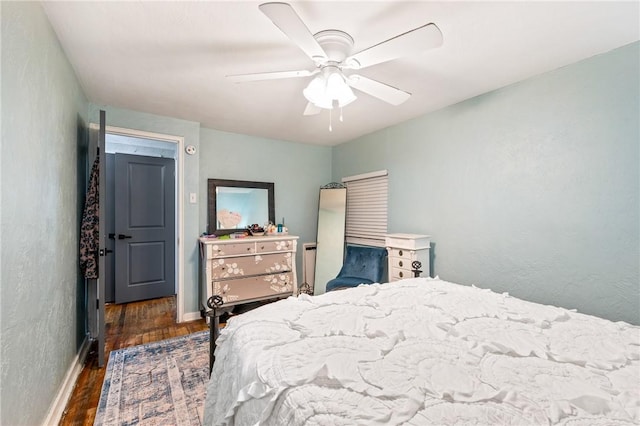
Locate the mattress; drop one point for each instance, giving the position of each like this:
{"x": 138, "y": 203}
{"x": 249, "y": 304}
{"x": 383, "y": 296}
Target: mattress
{"x": 419, "y": 352}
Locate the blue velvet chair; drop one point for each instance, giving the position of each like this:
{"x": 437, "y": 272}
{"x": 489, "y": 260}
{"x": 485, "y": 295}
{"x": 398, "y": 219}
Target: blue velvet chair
{"x": 362, "y": 265}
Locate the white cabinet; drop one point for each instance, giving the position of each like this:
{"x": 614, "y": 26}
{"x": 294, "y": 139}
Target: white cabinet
{"x": 248, "y": 269}
{"x": 403, "y": 250}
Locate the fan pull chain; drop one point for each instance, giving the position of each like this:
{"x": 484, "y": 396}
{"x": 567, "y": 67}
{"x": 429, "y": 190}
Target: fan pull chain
{"x": 330, "y": 128}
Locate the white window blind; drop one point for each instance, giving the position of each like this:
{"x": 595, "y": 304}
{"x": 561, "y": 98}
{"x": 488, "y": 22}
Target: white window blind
{"x": 366, "y": 221}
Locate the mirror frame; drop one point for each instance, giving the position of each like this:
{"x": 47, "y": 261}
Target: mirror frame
{"x": 213, "y": 184}
{"x": 330, "y": 238}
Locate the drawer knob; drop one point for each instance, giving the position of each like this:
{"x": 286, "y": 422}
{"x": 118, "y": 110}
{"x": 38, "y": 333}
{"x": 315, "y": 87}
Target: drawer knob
{"x": 401, "y": 274}
{"x": 261, "y": 247}
{"x": 400, "y": 252}
{"x": 400, "y": 263}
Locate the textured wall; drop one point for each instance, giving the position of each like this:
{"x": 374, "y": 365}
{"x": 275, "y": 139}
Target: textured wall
{"x": 532, "y": 189}
{"x": 297, "y": 170}
{"x": 42, "y": 173}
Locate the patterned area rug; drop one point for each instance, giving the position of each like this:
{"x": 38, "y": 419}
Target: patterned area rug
{"x": 160, "y": 383}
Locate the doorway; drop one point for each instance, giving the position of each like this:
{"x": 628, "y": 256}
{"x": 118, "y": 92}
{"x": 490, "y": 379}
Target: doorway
{"x": 146, "y": 157}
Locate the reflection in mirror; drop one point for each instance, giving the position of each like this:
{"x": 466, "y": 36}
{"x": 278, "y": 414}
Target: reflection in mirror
{"x": 330, "y": 240}
{"x": 236, "y": 204}
{"x": 237, "y": 208}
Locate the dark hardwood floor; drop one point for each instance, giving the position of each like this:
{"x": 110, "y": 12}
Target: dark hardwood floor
{"x": 126, "y": 325}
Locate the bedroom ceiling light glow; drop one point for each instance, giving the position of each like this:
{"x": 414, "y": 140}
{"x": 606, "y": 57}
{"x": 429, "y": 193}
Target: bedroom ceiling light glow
{"x": 329, "y": 87}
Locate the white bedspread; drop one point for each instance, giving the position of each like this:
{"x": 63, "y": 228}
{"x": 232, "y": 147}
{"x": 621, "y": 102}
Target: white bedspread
{"x": 423, "y": 352}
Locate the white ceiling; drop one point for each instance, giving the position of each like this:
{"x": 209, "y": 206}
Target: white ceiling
{"x": 171, "y": 58}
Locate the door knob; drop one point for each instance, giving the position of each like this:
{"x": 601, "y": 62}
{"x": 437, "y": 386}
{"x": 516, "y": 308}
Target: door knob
{"x": 122, "y": 236}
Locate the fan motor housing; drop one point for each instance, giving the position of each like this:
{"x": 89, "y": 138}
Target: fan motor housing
{"x": 335, "y": 43}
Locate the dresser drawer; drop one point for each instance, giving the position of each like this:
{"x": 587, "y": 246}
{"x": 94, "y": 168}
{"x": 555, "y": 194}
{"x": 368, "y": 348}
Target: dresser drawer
{"x": 243, "y": 289}
{"x": 396, "y": 274}
{"x": 402, "y": 262}
{"x": 259, "y": 264}
{"x": 271, "y": 246}
{"x": 405, "y": 254}
{"x": 234, "y": 249}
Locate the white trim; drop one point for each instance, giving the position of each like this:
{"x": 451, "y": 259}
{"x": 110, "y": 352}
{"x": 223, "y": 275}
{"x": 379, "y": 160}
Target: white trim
{"x": 54, "y": 415}
{"x": 179, "y": 140}
{"x": 180, "y": 239}
{"x": 191, "y": 316}
{"x": 365, "y": 176}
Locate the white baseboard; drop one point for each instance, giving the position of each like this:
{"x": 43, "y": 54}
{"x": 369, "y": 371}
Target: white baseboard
{"x": 64, "y": 393}
{"x": 191, "y": 316}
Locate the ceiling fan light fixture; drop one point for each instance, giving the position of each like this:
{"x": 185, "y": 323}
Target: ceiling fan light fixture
{"x": 332, "y": 52}
{"x": 325, "y": 103}
{"x": 315, "y": 90}
{"x": 329, "y": 88}
{"x": 335, "y": 85}
{"x": 346, "y": 96}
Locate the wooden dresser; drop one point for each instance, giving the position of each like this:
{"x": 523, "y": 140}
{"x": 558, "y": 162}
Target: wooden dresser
{"x": 248, "y": 269}
{"x": 403, "y": 250}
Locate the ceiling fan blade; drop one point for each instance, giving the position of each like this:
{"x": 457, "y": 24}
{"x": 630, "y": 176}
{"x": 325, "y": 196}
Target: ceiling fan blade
{"x": 285, "y": 18}
{"x": 312, "y": 109}
{"x": 239, "y": 78}
{"x": 407, "y": 44}
{"x": 379, "y": 90}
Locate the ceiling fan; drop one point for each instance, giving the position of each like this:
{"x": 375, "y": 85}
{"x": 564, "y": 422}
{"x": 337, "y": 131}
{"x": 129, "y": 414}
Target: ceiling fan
{"x": 331, "y": 52}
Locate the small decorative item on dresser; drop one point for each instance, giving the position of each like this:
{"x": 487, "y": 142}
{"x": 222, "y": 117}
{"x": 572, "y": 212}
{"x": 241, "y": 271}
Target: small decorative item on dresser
{"x": 255, "y": 230}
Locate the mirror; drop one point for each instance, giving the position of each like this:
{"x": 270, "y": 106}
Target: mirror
{"x": 236, "y": 204}
{"x": 332, "y": 210}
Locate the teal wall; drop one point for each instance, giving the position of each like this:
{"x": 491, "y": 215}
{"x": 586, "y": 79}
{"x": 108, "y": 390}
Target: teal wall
{"x": 43, "y": 152}
{"x": 532, "y": 189}
{"x": 297, "y": 171}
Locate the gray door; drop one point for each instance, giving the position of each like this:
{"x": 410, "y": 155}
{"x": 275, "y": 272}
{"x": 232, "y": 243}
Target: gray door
{"x": 145, "y": 227}
{"x": 110, "y": 222}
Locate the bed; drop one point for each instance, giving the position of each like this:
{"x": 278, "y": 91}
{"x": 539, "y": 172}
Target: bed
{"x": 423, "y": 351}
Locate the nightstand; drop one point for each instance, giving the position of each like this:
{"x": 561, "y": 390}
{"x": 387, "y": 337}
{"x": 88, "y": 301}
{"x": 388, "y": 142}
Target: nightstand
{"x": 403, "y": 250}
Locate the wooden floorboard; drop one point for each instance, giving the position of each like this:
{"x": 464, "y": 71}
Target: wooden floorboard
{"x": 127, "y": 324}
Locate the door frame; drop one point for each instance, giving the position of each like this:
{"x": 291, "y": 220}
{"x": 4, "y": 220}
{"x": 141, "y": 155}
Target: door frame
{"x": 179, "y": 141}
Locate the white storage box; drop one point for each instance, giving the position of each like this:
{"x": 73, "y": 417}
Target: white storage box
{"x": 408, "y": 241}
